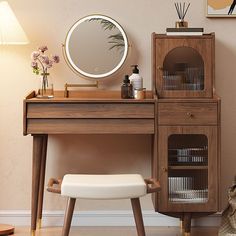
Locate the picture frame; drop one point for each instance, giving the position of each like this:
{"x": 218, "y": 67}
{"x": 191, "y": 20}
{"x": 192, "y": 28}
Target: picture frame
{"x": 221, "y": 8}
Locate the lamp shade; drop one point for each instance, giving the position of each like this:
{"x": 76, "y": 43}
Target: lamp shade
{"x": 11, "y": 31}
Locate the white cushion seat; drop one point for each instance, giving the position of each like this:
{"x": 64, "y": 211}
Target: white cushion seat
{"x": 121, "y": 186}
{"x": 103, "y": 186}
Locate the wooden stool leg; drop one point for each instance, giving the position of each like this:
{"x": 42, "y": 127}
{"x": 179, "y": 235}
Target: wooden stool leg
{"x": 138, "y": 216}
{"x": 68, "y": 216}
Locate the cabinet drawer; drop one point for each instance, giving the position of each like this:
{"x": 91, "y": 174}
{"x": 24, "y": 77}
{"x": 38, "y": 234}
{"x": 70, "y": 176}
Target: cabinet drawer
{"x": 187, "y": 113}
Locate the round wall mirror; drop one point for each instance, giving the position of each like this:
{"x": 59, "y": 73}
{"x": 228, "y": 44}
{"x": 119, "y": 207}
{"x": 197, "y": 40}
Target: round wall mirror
{"x": 96, "y": 46}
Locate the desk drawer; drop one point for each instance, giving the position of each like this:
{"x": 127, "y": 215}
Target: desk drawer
{"x": 90, "y": 126}
{"x": 93, "y": 110}
{"x": 185, "y": 113}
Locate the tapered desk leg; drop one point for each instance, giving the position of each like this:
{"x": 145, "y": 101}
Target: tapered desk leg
{"x": 36, "y": 164}
{"x": 42, "y": 180}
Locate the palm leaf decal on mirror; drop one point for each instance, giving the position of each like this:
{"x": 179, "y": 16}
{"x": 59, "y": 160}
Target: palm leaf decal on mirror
{"x": 116, "y": 40}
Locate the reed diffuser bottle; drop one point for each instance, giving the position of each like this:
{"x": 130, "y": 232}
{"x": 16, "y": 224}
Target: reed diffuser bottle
{"x": 181, "y": 11}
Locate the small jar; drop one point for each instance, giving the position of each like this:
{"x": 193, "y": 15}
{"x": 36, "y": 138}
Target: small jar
{"x": 140, "y": 93}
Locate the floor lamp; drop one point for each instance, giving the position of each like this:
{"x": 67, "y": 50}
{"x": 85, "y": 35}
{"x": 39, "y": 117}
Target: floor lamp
{"x": 11, "y": 33}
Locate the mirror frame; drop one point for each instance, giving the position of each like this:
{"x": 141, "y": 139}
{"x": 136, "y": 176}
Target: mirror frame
{"x": 75, "y": 68}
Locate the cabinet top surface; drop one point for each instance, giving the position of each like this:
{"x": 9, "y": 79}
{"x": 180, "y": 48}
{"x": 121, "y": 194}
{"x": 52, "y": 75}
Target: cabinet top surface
{"x": 104, "y": 96}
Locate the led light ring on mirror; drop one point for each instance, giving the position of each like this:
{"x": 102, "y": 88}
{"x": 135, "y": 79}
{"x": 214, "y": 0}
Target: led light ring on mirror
{"x": 75, "y": 68}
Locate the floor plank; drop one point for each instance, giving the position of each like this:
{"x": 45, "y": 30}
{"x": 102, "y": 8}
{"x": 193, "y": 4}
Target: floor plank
{"x": 116, "y": 231}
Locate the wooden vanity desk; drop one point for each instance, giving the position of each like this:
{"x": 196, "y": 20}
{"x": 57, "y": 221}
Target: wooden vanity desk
{"x": 186, "y": 148}
{"x": 84, "y": 112}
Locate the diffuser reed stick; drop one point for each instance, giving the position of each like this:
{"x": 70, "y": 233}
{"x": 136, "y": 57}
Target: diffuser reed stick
{"x": 181, "y": 10}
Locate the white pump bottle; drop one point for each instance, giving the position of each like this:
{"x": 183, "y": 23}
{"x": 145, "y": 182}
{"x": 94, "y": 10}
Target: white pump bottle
{"x": 135, "y": 79}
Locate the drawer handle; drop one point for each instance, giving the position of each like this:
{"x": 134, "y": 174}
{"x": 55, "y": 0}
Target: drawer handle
{"x": 190, "y": 115}
{"x": 164, "y": 169}
{"x": 159, "y": 67}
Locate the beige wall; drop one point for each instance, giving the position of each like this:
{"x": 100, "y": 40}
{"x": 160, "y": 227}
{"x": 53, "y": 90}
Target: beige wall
{"x": 47, "y": 22}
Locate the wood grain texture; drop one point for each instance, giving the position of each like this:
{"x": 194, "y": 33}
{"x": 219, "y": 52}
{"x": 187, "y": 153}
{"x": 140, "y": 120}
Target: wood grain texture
{"x": 36, "y": 166}
{"x": 154, "y": 160}
{"x": 90, "y": 96}
{"x": 24, "y": 118}
{"x": 187, "y": 222}
{"x": 187, "y": 113}
{"x": 90, "y": 126}
{"x": 119, "y": 231}
{"x": 68, "y": 216}
{"x": 138, "y": 216}
{"x": 204, "y": 45}
{"x": 219, "y": 152}
{"x": 212, "y": 204}
{"x": 42, "y": 177}
{"x": 91, "y": 110}
{"x": 84, "y": 112}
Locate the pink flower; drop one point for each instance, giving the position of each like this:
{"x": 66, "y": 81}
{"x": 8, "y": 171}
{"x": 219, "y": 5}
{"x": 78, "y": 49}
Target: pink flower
{"x": 34, "y": 64}
{"x": 41, "y": 62}
{"x": 49, "y": 64}
{"x": 35, "y": 55}
{"x": 43, "y": 48}
{"x": 45, "y": 59}
{"x": 56, "y": 58}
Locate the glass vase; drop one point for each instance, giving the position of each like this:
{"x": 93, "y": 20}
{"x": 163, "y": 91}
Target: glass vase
{"x": 45, "y": 89}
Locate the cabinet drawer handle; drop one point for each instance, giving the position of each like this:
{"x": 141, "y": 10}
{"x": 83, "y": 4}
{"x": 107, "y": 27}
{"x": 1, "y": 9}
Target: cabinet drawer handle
{"x": 190, "y": 115}
{"x": 159, "y": 67}
{"x": 164, "y": 169}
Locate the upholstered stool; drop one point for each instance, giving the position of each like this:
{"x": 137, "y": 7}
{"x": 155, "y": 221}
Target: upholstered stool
{"x": 125, "y": 186}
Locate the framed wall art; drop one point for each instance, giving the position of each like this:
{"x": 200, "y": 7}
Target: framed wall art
{"x": 221, "y": 8}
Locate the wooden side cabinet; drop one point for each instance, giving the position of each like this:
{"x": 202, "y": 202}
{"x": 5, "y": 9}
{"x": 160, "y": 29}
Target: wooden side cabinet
{"x": 188, "y": 126}
{"x": 188, "y": 157}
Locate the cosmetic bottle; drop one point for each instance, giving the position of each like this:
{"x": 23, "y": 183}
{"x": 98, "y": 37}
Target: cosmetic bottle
{"x": 135, "y": 79}
{"x": 126, "y": 88}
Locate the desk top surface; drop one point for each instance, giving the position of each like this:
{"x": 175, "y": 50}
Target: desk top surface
{"x": 88, "y": 96}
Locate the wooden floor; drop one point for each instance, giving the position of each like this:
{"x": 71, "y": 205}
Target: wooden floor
{"x": 116, "y": 231}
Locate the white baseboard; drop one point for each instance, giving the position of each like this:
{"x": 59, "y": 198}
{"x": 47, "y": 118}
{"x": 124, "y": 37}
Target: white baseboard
{"x": 102, "y": 218}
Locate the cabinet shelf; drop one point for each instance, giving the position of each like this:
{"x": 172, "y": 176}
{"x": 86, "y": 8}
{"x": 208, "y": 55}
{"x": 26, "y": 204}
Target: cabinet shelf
{"x": 189, "y": 196}
{"x": 188, "y": 167}
{"x": 191, "y": 160}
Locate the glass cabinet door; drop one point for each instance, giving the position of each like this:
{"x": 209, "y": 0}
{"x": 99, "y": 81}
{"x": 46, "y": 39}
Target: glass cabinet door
{"x": 188, "y": 168}
{"x": 183, "y": 69}
{"x": 183, "y": 65}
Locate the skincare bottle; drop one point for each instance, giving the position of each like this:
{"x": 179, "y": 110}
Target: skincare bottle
{"x": 126, "y": 88}
{"x": 135, "y": 79}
